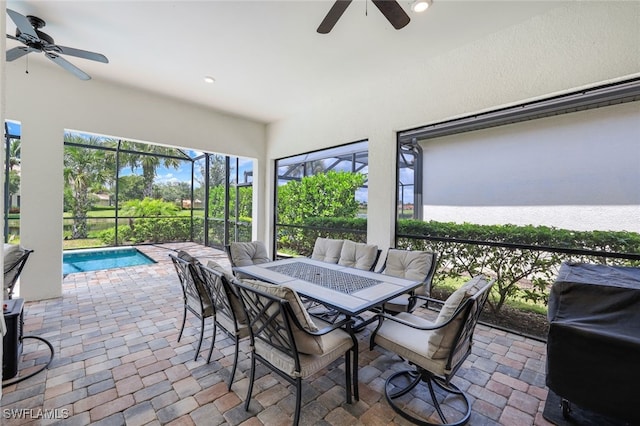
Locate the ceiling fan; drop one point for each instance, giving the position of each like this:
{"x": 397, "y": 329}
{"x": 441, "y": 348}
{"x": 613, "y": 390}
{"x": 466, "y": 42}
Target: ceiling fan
{"x": 28, "y": 33}
{"x": 389, "y": 8}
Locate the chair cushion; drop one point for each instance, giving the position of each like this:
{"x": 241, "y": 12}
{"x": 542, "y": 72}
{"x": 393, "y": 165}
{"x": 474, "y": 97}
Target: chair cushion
{"x": 12, "y": 253}
{"x": 409, "y": 343}
{"x": 441, "y": 340}
{"x": 200, "y": 286}
{"x": 305, "y": 343}
{"x": 409, "y": 264}
{"x": 249, "y": 253}
{"x": 335, "y": 344}
{"x": 234, "y": 301}
{"x": 358, "y": 255}
{"x": 327, "y": 250}
{"x": 398, "y": 304}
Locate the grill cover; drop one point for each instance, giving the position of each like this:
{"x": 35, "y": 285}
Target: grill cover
{"x": 593, "y": 347}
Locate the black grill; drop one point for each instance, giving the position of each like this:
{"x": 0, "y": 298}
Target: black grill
{"x": 12, "y": 341}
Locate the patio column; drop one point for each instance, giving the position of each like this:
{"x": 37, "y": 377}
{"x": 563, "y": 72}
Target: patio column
{"x": 382, "y": 181}
{"x": 41, "y": 188}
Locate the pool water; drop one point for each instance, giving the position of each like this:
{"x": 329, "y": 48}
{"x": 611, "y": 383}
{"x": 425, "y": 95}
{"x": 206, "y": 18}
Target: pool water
{"x": 99, "y": 259}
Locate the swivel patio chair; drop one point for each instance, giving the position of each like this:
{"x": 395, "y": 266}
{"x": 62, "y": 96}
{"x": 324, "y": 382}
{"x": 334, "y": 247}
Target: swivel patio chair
{"x": 227, "y": 308}
{"x": 15, "y": 258}
{"x": 246, "y": 254}
{"x": 327, "y": 250}
{"x": 412, "y": 264}
{"x": 286, "y": 340}
{"x": 436, "y": 350}
{"x": 196, "y": 297}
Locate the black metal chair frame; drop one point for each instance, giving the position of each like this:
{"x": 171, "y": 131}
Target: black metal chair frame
{"x": 220, "y": 289}
{"x": 186, "y": 272}
{"x": 271, "y": 320}
{"x": 18, "y": 265}
{"x": 227, "y": 249}
{"x": 470, "y": 311}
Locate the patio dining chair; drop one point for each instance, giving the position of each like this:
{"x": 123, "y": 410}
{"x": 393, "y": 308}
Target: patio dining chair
{"x": 227, "y": 308}
{"x": 327, "y": 250}
{"x": 285, "y": 339}
{"x": 411, "y": 264}
{"x": 436, "y": 350}
{"x": 15, "y": 258}
{"x": 196, "y": 298}
{"x": 354, "y": 255}
{"x": 247, "y": 254}
{"x": 359, "y": 255}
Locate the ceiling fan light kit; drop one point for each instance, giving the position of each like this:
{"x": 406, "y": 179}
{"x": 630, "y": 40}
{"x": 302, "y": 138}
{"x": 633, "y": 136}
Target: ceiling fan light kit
{"x": 28, "y": 33}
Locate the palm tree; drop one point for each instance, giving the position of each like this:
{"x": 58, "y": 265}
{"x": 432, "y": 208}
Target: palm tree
{"x": 13, "y": 164}
{"x": 149, "y": 158}
{"x": 85, "y": 169}
{"x": 14, "y": 153}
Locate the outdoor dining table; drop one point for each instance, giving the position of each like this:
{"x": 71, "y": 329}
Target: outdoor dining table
{"x": 348, "y": 290}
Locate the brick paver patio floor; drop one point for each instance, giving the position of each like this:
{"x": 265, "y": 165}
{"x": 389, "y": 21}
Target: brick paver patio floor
{"x": 117, "y": 362}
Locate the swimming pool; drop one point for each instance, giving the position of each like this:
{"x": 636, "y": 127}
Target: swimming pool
{"x": 104, "y": 258}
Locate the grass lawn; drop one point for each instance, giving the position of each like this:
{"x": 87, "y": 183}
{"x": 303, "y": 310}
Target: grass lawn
{"x": 83, "y": 243}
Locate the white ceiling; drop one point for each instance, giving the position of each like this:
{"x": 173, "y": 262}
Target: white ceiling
{"x": 266, "y": 56}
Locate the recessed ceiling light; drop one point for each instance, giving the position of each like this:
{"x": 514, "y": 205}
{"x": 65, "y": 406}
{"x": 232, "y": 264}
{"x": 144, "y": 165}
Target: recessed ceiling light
{"x": 209, "y": 79}
{"x": 421, "y": 5}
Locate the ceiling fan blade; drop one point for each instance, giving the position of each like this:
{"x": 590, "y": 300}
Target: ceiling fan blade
{"x": 333, "y": 15}
{"x": 82, "y": 54}
{"x": 394, "y": 13}
{"x": 68, "y": 66}
{"x": 17, "y": 52}
{"x": 23, "y": 24}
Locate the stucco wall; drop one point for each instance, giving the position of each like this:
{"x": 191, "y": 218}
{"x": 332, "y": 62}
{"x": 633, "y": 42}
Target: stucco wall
{"x": 577, "y": 171}
{"x": 3, "y": 43}
{"x": 578, "y": 44}
{"x": 48, "y": 100}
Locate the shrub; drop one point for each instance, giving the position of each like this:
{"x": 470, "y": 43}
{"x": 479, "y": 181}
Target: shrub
{"x": 519, "y": 272}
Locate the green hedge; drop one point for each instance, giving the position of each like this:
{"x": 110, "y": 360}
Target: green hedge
{"x": 606, "y": 241}
{"x": 301, "y": 238}
{"x": 519, "y": 272}
{"x": 525, "y": 273}
{"x": 155, "y": 230}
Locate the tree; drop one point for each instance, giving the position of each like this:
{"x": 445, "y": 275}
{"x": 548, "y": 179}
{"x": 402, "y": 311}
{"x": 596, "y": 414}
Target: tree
{"x": 149, "y": 158}
{"x": 216, "y": 170}
{"x": 130, "y": 188}
{"x": 330, "y": 194}
{"x": 14, "y": 184}
{"x": 14, "y": 170}
{"x": 85, "y": 169}
{"x": 174, "y": 191}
